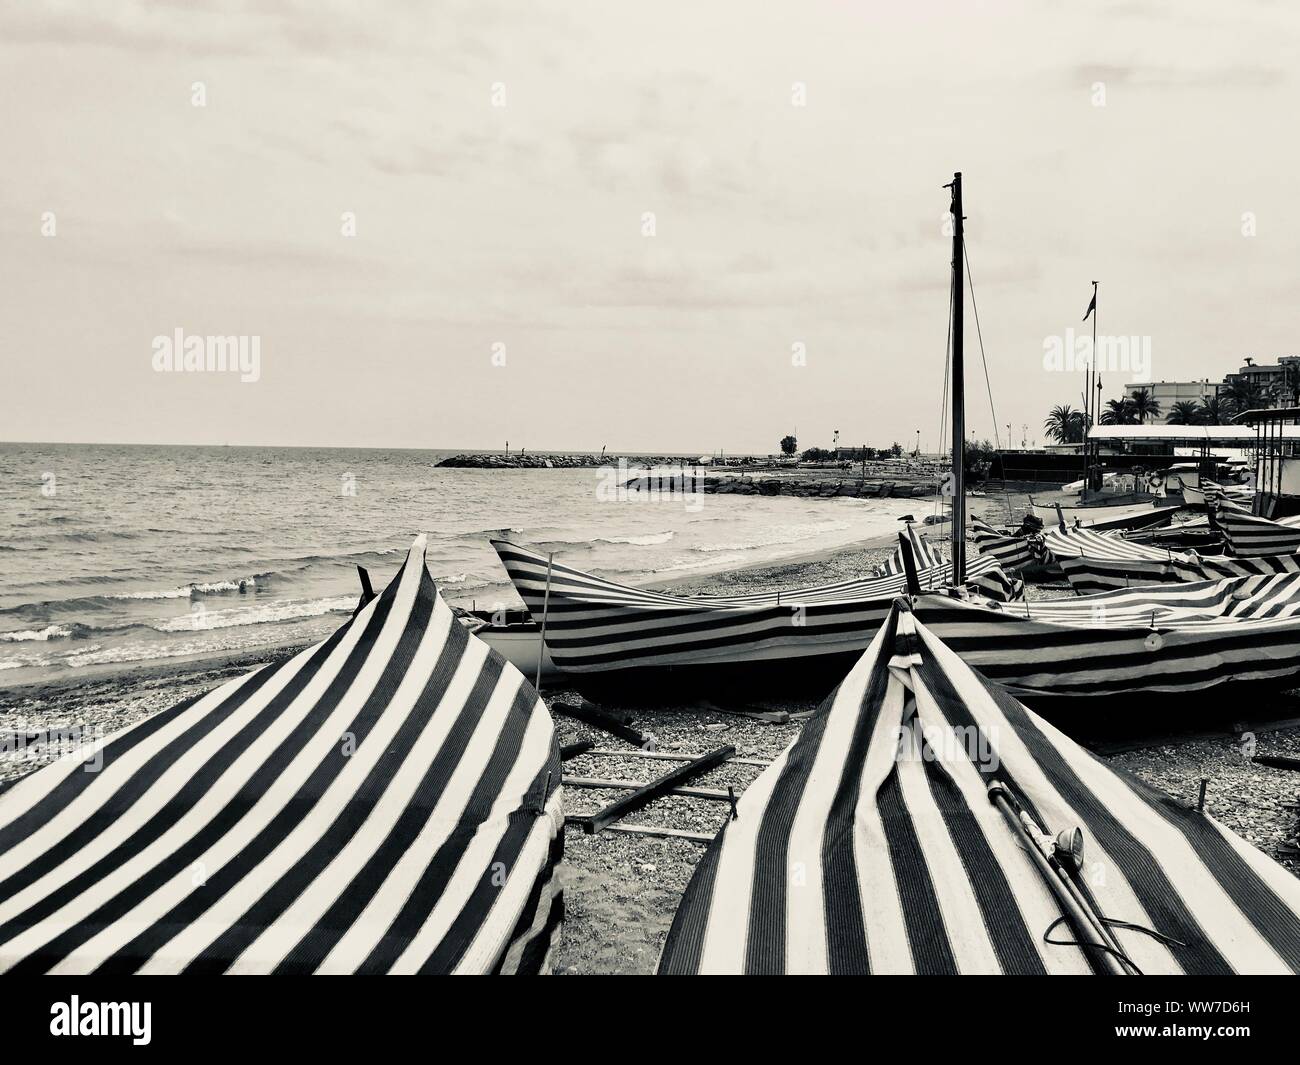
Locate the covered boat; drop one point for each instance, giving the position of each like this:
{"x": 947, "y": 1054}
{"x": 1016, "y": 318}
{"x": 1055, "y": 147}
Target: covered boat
{"x": 1211, "y": 493}
{"x": 1020, "y": 550}
{"x": 874, "y": 844}
{"x": 1249, "y": 535}
{"x": 1166, "y": 638}
{"x": 1116, "y": 516}
{"x": 595, "y": 625}
{"x": 1097, "y": 562}
{"x": 385, "y": 801}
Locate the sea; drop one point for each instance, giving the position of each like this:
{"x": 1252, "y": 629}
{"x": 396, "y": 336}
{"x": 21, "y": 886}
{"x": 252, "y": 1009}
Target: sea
{"x": 114, "y": 557}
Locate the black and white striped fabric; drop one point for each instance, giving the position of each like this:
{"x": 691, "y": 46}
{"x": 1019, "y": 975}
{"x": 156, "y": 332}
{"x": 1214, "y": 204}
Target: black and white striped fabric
{"x": 992, "y": 582}
{"x": 925, "y": 555}
{"x": 596, "y": 625}
{"x": 1215, "y": 493}
{"x": 1098, "y": 562}
{"x": 1013, "y": 552}
{"x": 870, "y": 846}
{"x": 1157, "y": 638}
{"x": 1249, "y": 535}
{"x": 387, "y": 801}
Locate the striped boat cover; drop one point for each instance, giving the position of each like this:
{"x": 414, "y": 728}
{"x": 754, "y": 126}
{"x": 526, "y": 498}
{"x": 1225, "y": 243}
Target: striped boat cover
{"x": 1215, "y": 493}
{"x": 925, "y": 555}
{"x": 1249, "y": 535}
{"x": 990, "y": 582}
{"x": 1013, "y": 552}
{"x": 1157, "y": 638}
{"x": 385, "y": 801}
{"x": 1082, "y": 540}
{"x": 595, "y": 625}
{"x": 1098, "y": 562}
{"x": 870, "y": 845}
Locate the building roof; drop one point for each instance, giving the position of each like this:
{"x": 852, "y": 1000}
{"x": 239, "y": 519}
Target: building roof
{"x": 1224, "y": 435}
{"x": 1269, "y": 414}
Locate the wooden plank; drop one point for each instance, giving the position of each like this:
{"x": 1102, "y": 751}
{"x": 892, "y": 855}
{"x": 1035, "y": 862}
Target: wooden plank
{"x": 1276, "y": 761}
{"x": 668, "y": 756}
{"x": 572, "y": 750}
{"x": 715, "y": 794}
{"x": 647, "y": 793}
{"x": 654, "y": 830}
{"x": 590, "y": 714}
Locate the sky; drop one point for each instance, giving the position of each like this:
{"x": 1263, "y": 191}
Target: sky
{"x": 499, "y": 163}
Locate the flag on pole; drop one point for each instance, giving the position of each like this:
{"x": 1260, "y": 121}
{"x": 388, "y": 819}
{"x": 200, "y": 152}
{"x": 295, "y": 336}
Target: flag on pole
{"x": 1092, "y": 305}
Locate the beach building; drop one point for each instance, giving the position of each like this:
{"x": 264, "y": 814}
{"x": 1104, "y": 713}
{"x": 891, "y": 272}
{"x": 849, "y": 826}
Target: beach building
{"x": 1167, "y": 393}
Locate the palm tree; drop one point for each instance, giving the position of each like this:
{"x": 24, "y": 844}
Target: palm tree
{"x": 1144, "y": 405}
{"x": 1064, "y": 424}
{"x": 1119, "y": 412}
{"x": 1185, "y": 412}
{"x": 1243, "y": 396}
{"x": 1214, "y": 411}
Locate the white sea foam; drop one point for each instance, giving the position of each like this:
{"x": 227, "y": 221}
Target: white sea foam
{"x": 187, "y": 591}
{"x": 50, "y": 632}
{"x": 202, "y": 620}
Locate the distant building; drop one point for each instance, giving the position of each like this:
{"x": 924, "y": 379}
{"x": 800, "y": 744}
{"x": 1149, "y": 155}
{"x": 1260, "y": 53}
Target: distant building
{"x": 1167, "y": 393}
{"x": 1269, "y": 378}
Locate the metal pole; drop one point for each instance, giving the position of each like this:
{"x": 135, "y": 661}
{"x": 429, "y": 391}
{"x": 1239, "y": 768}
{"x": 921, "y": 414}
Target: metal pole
{"x": 1094, "y": 946}
{"x": 958, "y": 389}
{"x": 546, "y": 606}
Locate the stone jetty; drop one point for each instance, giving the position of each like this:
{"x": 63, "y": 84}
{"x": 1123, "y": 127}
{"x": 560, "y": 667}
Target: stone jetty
{"x": 806, "y": 488}
{"x": 543, "y": 461}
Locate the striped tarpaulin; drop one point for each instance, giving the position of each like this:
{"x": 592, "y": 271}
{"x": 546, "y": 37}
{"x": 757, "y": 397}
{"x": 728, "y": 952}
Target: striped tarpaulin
{"x": 1082, "y": 540}
{"x": 387, "y": 801}
{"x": 1098, "y": 562}
{"x": 1157, "y": 638}
{"x": 991, "y": 582}
{"x": 596, "y": 625}
{"x": 1250, "y": 535}
{"x": 924, "y": 554}
{"x": 1212, "y": 493}
{"x": 871, "y": 846}
{"x": 1012, "y": 551}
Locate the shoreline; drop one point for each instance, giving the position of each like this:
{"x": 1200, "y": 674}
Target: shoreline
{"x": 800, "y": 569}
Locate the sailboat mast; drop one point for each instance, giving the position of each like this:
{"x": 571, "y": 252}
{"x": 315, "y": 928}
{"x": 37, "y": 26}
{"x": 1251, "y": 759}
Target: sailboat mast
{"x": 958, "y": 390}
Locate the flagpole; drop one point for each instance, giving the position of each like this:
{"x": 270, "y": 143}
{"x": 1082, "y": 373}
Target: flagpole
{"x": 1097, "y": 397}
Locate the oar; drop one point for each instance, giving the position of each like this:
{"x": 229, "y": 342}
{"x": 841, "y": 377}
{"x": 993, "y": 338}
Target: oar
{"x": 1058, "y": 882}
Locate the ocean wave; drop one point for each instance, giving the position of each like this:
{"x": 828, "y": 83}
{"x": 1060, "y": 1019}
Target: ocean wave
{"x": 701, "y": 563}
{"x": 648, "y": 540}
{"x": 202, "y": 620}
{"x": 50, "y": 632}
{"x": 198, "y": 588}
{"x": 644, "y": 540}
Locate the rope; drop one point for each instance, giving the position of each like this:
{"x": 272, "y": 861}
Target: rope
{"x": 943, "y": 405}
{"x": 997, "y": 440}
{"x": 988, "y": 384}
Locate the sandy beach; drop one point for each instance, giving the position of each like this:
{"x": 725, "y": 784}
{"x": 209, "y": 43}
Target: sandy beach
{"x": 622, "y": 890}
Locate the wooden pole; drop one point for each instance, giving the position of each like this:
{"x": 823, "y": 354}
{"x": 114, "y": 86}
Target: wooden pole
{"x": 541, "y": 639}
{"x": 958, "y": 389}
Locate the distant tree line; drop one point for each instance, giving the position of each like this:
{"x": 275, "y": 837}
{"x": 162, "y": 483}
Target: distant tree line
{"x": 789, "y": 445}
